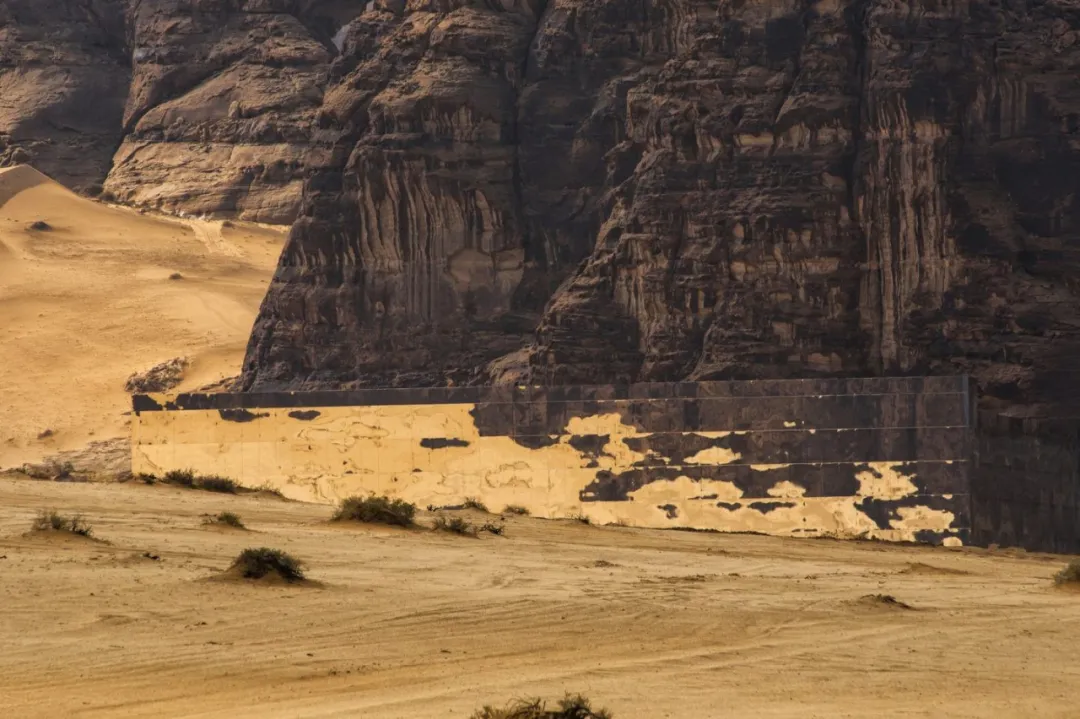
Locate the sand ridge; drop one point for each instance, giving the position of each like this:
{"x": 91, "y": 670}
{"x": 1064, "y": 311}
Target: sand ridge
{"x": 87, "y": 301}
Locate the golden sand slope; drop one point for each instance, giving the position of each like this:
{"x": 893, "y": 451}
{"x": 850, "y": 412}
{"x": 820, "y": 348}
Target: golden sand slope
{"x": 89, "y": 301}
{"x": 416, "y": 625}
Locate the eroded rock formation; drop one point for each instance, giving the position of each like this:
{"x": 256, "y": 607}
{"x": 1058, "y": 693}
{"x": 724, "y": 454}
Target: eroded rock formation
{"x": 63, "y": 80}
{"x": 203, "y": 106}
{"x": 688, "y": 189}
{"x": 595, "y": 190}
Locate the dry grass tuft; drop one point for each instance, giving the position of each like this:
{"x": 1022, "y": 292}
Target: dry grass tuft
{"x": 571, "y": 707}
{"x": 474, "y": 503}
{"x": 210, "y": 482}
{"x": 214, "y": 483}
{"x": 454, "y": 525}
{"x": 228, "y": 519}
{"x": 50, "y": 521}
{"x": 1070, "y": 575}
{"x": 516, "y": 509}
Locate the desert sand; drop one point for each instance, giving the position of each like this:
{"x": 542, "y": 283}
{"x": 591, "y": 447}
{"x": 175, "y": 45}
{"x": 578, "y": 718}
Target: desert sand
{"x": 649, "y": 624}
{"x": 87, "y": 301}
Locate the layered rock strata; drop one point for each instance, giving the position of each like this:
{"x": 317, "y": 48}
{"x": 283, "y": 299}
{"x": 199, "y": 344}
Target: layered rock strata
{"x": 688, "y": 189}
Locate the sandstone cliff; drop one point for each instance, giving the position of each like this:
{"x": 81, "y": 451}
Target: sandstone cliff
{"x": 595, "y": 190}
{"x": 681, "y": 189}
{"x": 203, "y": 106}
{"x": 63, "y": 81}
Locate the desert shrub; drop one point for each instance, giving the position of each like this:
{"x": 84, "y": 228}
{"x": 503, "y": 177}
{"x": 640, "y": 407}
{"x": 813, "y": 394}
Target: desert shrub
{"x": 454, "y": 525}
{"x": 571, "y": 707}
{"x": 516, "y": 509}
{"x": 1070, "y": 574}
{"x": 214, "y": 483}
{"x": 580, "y": 518}
{"x": 230, "y": 519}
{"x": 50, "y": 521}
{"x": 474, "y": 503}
{"x": 260, "y": 562}
{"x": 265, "y": 488}
{"x": 181, "y": 477}
{"x": 376, "y": 510}
{"x": 210, "y": 482}
{"x": 146, "y": 478}
{"x": 492, "y": 528}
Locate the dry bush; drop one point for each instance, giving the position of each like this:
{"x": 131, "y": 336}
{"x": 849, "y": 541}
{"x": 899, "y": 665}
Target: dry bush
{"x": 261, "y": 562}
{"x": 571, "y": 707}
{"x": 1070, "y": 575}
{"x": 181, "y": 477}
{"x": 492, "y": 528}
{"x": 230, "y": 519}
{"x": 454, "y": 525}
{"x": 265, "y": 488}
{"x": 210, "y": 482}
{"x": 516, "y": 509}
{"x": 213, "y": 483}
{"x": 50, "y": 521}
{"x": 376, "y": 510}
{"x": 474, "y": 503}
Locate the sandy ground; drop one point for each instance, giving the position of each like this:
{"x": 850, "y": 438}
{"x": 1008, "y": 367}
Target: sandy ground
{"x": 649, "y": 624}
{"x": 88, "y": 302}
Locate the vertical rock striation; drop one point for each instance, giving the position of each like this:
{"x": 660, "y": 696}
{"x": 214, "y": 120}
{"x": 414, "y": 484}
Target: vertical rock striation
{"x": 404, "y": 265}
{"x": 690, "y": 189}
{"x": 579, "y": 191}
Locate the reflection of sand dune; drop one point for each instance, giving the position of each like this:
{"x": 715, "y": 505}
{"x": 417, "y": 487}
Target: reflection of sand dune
{"x": 88, "y": 301}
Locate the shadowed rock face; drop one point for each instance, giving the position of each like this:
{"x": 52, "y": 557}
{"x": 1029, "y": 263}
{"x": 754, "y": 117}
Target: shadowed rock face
{"x": 223, "y": 93}
{"x": 589, "y": 191}
{"x": 63, "y": 79}
{"x": 202, "y": 106}
{"x": 688, "y": 189}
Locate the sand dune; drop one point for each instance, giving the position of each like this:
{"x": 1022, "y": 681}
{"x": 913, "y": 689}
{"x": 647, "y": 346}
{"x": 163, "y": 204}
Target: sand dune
{"x": 87, "y": 300}
{"x": 417, "y": 625}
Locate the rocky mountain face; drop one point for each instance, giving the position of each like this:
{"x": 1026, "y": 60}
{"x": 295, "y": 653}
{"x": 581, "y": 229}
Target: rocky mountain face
{"x": 596, "y": 190}
{"x": 203, "y": 106}
{"x": 63, "y": 81}
{"x": 688, "y": 189}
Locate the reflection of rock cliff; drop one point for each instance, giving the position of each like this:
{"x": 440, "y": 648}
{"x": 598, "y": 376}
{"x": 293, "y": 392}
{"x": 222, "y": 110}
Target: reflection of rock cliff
{"x": 715, "y": 190}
